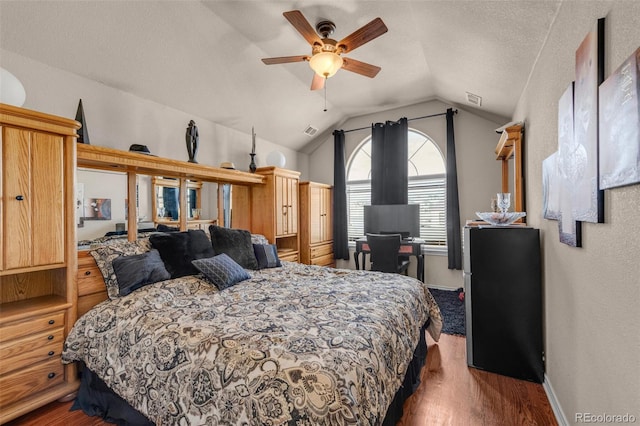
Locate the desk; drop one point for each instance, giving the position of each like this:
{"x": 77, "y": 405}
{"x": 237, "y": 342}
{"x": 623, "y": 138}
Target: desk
{"x": 407, "y": 247}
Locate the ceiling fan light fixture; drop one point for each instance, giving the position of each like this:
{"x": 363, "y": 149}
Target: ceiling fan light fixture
{"x": 325, "y": 64}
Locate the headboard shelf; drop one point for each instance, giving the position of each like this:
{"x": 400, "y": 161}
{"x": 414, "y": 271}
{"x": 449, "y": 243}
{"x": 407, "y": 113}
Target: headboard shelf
{"x": 103, "y": 158}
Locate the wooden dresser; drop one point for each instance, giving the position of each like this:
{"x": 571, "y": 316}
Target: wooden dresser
{"x": 271, "y": 209}
{"x": 316, "y": 227}
{"x": 37, "y": 258}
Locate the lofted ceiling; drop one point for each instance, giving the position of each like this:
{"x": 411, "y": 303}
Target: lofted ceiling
{"x": 204, "y": 57}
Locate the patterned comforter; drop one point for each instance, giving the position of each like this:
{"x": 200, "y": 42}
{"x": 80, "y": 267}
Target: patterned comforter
{"x": 298, "y": 344}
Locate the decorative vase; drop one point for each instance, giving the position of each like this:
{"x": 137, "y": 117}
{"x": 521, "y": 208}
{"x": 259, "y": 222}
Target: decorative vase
{"x": 252, "y": 165}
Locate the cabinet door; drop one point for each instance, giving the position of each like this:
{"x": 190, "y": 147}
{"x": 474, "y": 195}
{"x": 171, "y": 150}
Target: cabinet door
{"x": 327, "y": 224}
{"x": 315, "y": 213}
{"x": 281, "y": 205}
{"x": 17, "y": 198}
{"x": 47, "y": 198}
{"x": 292, "y": 205}
{"x": 33, "y": 225}
{"x": 286, "y": 205}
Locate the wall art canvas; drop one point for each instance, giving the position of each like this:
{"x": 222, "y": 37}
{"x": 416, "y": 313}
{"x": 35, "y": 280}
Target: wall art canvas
{"x": 569, "y": 163}
{"x": 97, "y": 209}
{"x": 620, "y": 125}
{"x": 588, "y": 198}
{"x": 550, "y": 188}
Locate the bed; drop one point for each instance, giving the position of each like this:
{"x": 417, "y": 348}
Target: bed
{"x": 294, "y": 344}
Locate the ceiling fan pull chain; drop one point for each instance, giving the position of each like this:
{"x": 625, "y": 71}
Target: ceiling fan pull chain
{"x": 325, "y": 94}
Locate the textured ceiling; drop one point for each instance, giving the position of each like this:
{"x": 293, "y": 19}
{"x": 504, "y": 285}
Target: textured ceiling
{"x": 203, "y": 58}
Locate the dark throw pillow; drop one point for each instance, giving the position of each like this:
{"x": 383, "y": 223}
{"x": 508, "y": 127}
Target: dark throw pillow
{"x": 134, "y": 272}
{"x": 221, "y": 270}
{"x": 236, "y": 243}
{"x": 178, "y": 249}
{"x": 266, "y": 256}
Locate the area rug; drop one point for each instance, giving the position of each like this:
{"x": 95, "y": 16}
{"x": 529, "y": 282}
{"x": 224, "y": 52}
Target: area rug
{"x": 452, "y": 308}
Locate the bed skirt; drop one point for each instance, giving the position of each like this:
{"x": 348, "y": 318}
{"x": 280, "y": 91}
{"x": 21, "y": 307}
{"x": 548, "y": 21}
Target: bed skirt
{"x": 95, "y": 398}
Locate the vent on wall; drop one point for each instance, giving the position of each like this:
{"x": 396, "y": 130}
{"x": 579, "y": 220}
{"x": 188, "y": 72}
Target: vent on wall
{"x": 474, "y": 99}
{"x": 310, "y": 130}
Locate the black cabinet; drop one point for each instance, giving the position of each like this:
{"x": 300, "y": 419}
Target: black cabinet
{"x": 503, "y": 298}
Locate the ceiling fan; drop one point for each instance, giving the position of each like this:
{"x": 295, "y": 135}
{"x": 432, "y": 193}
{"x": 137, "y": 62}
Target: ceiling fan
{"x": 325, "y": 58}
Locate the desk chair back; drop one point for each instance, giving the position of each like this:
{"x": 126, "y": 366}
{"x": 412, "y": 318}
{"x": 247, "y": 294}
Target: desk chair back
{"x": 384, "y": 250}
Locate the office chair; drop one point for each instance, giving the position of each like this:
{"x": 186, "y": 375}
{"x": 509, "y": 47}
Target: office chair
{"x": 384, "y": 250}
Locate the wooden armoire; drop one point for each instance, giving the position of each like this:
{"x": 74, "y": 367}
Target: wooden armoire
{"x": 37, "y": 258}
{"x": 270, "y": 209}
{"x": 316, "y": 227}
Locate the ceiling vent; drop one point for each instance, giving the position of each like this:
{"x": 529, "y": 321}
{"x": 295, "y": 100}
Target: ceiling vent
{"x": 310, "y": 130}
{"x": 474, "y": 99}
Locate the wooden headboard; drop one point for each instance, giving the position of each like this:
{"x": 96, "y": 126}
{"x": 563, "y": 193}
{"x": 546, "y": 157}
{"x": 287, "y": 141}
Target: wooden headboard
{"x": 91, "y": 287}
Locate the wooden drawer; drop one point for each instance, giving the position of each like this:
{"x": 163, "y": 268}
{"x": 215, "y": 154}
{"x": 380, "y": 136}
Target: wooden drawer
{"x": 321, "y": 250}
{"x": 36, "y": 378}
{"x": 90, "y": 280}
{"x": 32, "y": 325}
{"x": 89, "y": 301}
{"x": 289, "y": 256}
{"x": 326, "y": 260}
{"x": 32, "y": 349}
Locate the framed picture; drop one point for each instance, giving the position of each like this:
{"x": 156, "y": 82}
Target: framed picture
{"x": 588, "y": 198}
{"x": 620, "y": 125}
{"x": 97, "y": 209}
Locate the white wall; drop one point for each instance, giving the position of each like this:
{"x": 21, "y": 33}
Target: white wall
{"x": 479, "y": 174}
{"x": 592, "y": 294}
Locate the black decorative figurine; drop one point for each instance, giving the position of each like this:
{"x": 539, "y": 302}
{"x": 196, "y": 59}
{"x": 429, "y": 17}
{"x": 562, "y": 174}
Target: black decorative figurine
{"x": 83, "y": 132}
{"x": 192, "y": 138}
{"x": 252, "y": 165}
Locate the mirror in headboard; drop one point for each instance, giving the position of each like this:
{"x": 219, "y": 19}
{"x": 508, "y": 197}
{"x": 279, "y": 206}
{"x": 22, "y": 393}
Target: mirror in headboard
{"x": 101, "y": 202}
{"x": 166, "y": 202}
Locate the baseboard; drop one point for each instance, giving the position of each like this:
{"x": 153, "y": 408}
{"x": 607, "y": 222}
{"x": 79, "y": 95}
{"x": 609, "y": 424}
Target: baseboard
{"x": 555, "y": 404}
{"x": 442, "y": 287}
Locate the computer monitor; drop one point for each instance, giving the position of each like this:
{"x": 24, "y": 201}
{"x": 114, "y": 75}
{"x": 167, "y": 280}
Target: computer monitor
{"x": 401, "y": 219}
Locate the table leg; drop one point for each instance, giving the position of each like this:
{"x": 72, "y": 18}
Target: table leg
{"x": 356, "y": 256}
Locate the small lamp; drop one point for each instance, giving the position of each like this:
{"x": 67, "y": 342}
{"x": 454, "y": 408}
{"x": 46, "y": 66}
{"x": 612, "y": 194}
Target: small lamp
{"x": 276, "y": 158}
{"x": 11, "y": 89}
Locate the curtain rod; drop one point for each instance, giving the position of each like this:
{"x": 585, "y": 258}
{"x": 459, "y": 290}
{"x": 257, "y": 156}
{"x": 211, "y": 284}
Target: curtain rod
{"x": 455, "y": 111}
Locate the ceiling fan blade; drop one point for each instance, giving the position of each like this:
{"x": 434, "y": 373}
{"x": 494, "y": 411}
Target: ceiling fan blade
{"x": 359, "y": 67}
{"x": 300, "y": 23}
{"x": 318, "y": 82}
{"x": 363, "y": 35}
{"x": 285, "y": 59}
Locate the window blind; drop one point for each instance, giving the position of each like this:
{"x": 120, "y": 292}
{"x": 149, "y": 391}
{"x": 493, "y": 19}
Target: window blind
{"x": 428, "y": 191}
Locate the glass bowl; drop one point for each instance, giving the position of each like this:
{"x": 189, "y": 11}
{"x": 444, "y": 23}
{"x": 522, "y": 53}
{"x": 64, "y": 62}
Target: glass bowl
{"x": 500, "y": 219}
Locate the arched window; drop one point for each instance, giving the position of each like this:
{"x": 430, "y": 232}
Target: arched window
{"x": 426, "y": 170}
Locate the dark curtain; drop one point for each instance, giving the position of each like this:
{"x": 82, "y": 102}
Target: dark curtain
{"x": 340, "y": 237}
{"x": 389, "y": 158}
{"x": 454, "y": 240}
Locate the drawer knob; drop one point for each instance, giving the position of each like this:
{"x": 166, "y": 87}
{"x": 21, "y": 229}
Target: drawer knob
{"x": 51, "y": 353}
{"x": 87, "y": 272}
{"x": 50, "y": 337}
{"x": 20, "y": 197}
{"x": 52, "y": 322}
{"x": 51, "y": 375}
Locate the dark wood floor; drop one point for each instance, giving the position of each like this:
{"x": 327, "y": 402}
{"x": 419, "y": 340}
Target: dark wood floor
{"x": 450, "y": 394}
